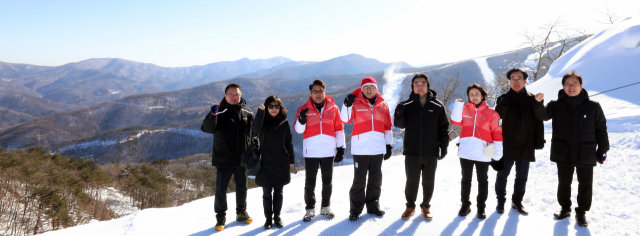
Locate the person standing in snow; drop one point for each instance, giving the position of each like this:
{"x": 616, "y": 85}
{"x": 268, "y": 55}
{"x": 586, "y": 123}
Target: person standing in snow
{"x": 370, "y": 143}
{"x": 522, "y": 134}
{"x": 426, "y": 139}
{"x": 480, "y": 128}
{"x": 276, "y": 151}
{"x": 323, "y": 143}
{"x": 578, "y": 141}
{"x": 230, "y": 124}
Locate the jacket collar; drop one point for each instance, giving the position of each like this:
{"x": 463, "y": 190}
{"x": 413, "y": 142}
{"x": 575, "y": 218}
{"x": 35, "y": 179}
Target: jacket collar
{"x": 483, "y": 105}
{"x": 328, "y": 102}
{"x": 360, "y": 97}
{"x": 431, "y": 96}
{"x": 582, "y": 97}
{"x": 238, "y": 106}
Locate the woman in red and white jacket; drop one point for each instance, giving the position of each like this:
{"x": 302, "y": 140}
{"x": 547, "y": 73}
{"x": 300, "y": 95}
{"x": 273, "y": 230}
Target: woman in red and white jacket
{"x": 480, "y": 128}
{"x": 370, "y": 140}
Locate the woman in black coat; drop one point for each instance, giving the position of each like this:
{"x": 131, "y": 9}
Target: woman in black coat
{"x": 276, "y": 150}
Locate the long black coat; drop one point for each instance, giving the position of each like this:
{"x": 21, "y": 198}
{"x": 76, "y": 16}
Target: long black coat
{"x": 522, "y": 133}
{"x": 276, "y": 149}
{"x": 426, "y": 128}
{"x": 231, "y": 129}
{"x": 579, "y": 126}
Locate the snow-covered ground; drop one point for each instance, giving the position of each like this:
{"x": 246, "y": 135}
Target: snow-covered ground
{"x": 607, "y": 60}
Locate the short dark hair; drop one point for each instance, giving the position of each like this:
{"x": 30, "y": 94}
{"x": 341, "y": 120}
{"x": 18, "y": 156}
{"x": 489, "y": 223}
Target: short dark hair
{"x": 317, "y": 82}
{"x": 477, "y": 86}
{"x": 274, "y": 98}
{"x": 524, "y": 74}
{"x": 418, "y": 76}
{"x": 572, "y": 74}
{"x": 232, "y": 86}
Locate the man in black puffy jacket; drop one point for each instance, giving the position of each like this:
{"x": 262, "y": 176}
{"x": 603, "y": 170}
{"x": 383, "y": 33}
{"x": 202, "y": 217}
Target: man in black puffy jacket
{"x": 579, "y": 140}
{"x": 426, "y": 139}
{"x": 230, "y": 124}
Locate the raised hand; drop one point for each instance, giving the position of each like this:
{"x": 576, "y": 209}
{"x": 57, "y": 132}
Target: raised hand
{"x": 348, "y": 101}
{"x": 261, "y": 106}
{"x": 302, "y": 118}
{"x": 214, "y": 109}
{"x": 539, "y": 97}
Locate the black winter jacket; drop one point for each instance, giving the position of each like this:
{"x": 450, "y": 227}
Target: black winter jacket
{"x": 231, "y": 129}
{"x": 276, "y": 149}
{"x": 522, "y": 133}
{"x": 579, "y": 126}
{"x": 426, "y": 128}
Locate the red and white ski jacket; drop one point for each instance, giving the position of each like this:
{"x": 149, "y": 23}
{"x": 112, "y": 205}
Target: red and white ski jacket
{"x": 480, "y": 126}
{"x": 371, "y": 126}
{"x": 323, "y": 132}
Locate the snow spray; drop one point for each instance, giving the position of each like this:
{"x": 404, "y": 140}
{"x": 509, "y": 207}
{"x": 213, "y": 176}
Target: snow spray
{"x": 391, "y": 91}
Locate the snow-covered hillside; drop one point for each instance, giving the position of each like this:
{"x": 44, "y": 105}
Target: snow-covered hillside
{"x": 607, "y": 60}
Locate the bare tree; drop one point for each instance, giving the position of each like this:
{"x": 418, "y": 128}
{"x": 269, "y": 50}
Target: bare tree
{"x": 610, "y": 17}
{"x": 447, "y": 88}
{"x": 494, "y": 90}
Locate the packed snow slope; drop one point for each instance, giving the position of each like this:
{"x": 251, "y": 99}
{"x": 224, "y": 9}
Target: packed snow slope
{"x": 607, "y": 60}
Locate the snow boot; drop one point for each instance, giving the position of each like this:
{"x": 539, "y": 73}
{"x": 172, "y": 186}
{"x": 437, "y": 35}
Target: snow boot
{"x": 326, "y": 211}
{"x": 520, "y": 208}
{"x": 562, "y": 214}
{"x": 481, "y": 214}
{"x": 582, "y": 220}
{"x": 500, "y": 208}
{"x": 426, "y": 213}
{"x": 309, "y": 215}
{"x": 353, "y": 217}
{"x": 408, "y": 213}
{"x": 268, "y": 223}
{"x": 278, "y": 222}
{"x": 244, "y": 217}
{"x": 220, "y": 223}
{"x": 464, "y": 210}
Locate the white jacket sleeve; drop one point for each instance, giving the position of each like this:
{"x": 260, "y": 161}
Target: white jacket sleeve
{"x": 299, "y": 128}
{"x": 497, "y": 155}
{"x": 340, "y": 139}
{"x": 456, "y": 113}
{"x": 345, "y": 113}
{"x": 388, "y": 136}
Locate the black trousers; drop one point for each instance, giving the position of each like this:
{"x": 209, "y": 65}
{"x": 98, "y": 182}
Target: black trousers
{"x": 272, "y": 204}
{"x": 585, "y": 187}
{"x": 413, "y": 166}
{"x": 483, "y": 181}
{"x": 223, "y": 176}
{"x": 520, "y": 185}
{"x": 326, "y": 167}
{"x": 357, "y": 195}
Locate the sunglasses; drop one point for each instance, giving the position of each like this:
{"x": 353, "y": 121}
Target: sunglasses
{"x": 274, "y": 106}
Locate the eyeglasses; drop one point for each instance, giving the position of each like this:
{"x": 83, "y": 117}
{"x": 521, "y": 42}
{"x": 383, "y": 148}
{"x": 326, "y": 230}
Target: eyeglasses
{"x": 516, "y": 80}
{"x": 274, "y": 106}
{"x": 317, "y": 91}
{"x": 231, "y": 95}
{"x": 572, "y": 84}
{"x": 369, "y": 87}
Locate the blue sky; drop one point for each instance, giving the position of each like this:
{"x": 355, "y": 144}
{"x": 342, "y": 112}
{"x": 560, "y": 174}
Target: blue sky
{"x": 185, "y": 33}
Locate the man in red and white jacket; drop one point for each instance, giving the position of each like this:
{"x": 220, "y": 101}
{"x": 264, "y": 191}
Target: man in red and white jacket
{"x": 370, "y": 140}
{"x": 323, "y": 138}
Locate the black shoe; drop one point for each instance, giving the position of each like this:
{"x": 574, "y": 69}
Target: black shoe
{"x": 278, "y": 222}
{"x": 464, "y": 210}
{"x": 582, "y": 220}
{"x": 220, "y": 223}
{"x": 562, "y": 214}
{"x": 377, "y": 212}
{"x": 267, "y": 224}
{"x": 353, "y": 217}
{"x": 520, "y": 208}
{"x": 481, "y": 214}
{"x": 244, "y": 217}
{"x": 500, "y": 208}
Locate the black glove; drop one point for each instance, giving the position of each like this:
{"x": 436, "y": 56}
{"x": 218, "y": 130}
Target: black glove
{"x": 443, "y": 153}
{"x": 339, "y": 155}
{"x": 504, "y": 100}
{"x": 388, "y": 154}
{"x": 497, "y": 165}
{"x": 400, "y": 108}
{"x": 214, "y": 109}
{"x": 601, "y": 157}
{"x": 348, "y": 101}
{"x": 302, "y": 118}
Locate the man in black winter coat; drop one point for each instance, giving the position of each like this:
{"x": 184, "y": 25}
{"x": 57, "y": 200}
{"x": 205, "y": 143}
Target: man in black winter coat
{"x": 579, "y": 140}
{"x": 522, "y": 134}
{"x": 230, "y": 124}
{"x": 426, "y": 139}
